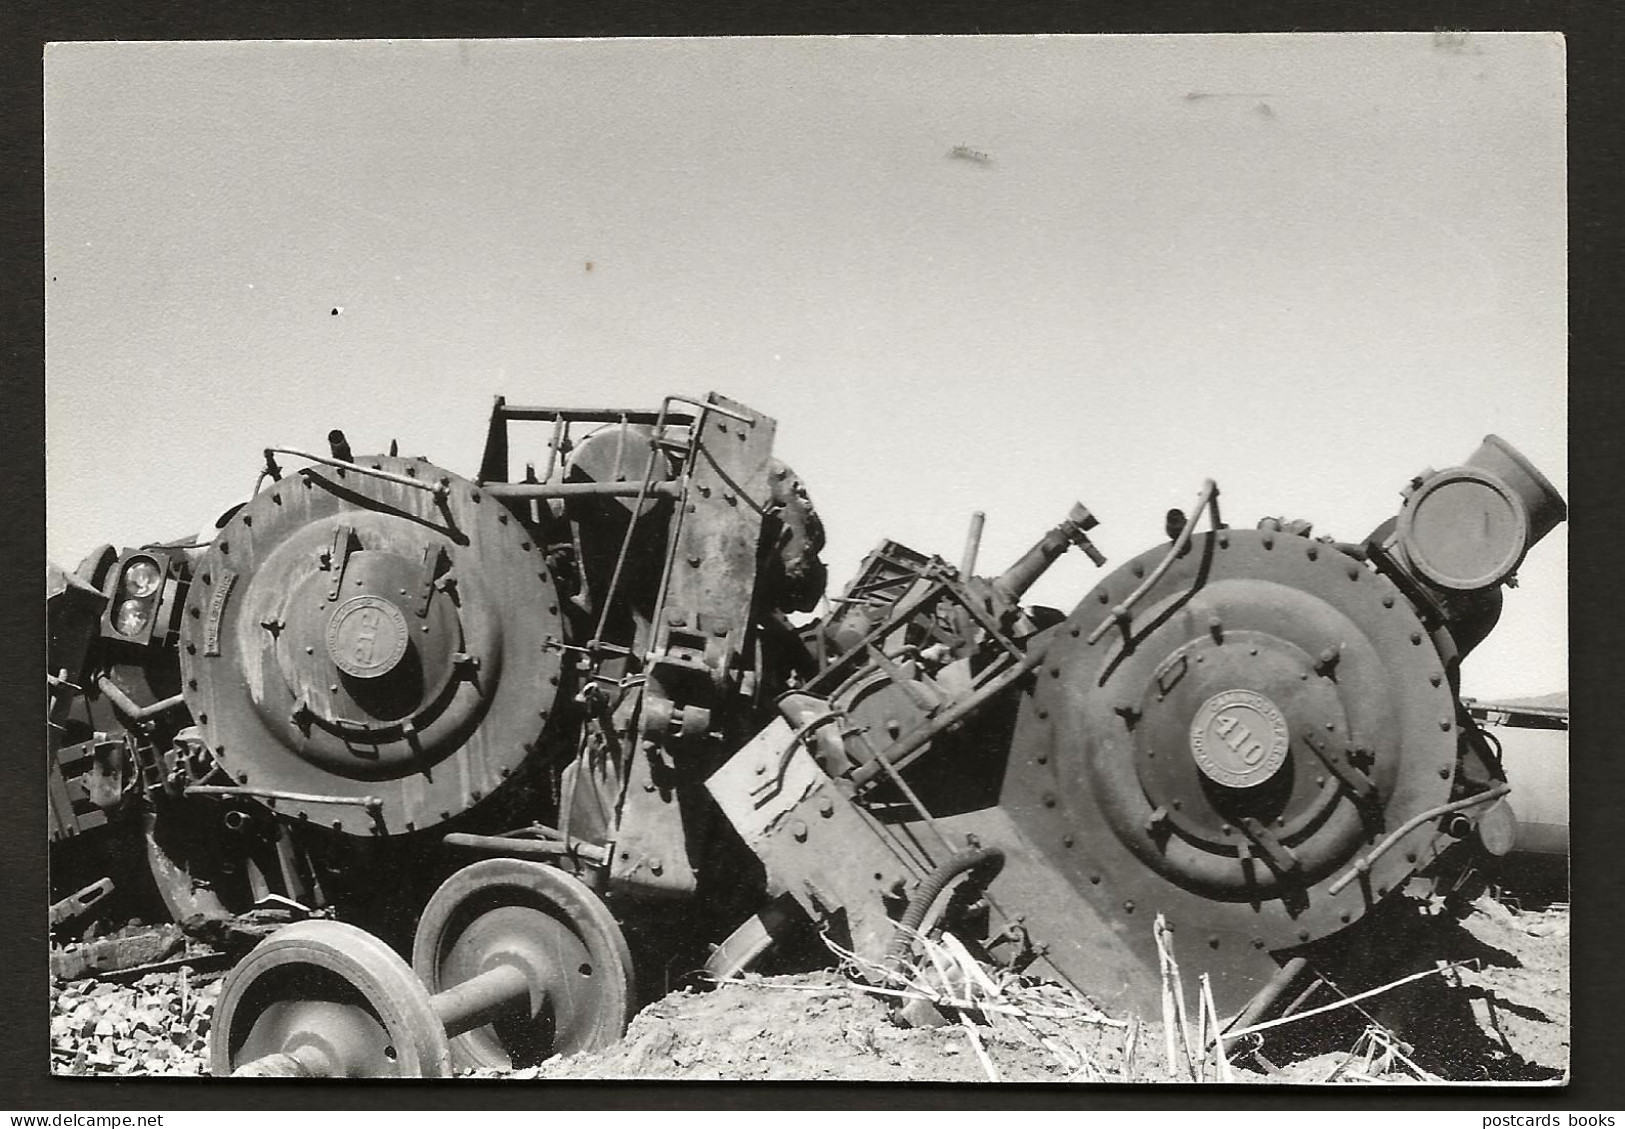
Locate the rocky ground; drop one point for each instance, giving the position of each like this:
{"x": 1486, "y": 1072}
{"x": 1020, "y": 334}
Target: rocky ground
{"x": 1507, "y": 1019}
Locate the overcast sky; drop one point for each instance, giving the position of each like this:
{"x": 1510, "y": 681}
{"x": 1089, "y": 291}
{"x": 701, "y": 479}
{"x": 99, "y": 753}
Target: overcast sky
{"x": 1307, "y": 267}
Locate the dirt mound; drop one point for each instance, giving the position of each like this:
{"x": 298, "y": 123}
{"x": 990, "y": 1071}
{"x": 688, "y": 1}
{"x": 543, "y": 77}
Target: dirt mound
{"x": 819, "y": 1027}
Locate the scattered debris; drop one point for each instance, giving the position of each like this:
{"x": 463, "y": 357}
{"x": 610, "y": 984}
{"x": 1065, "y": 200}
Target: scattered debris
{"x": 128, "y": 948}
{"x": 826, "y": 1025}
{"x": 158, "y": 1025}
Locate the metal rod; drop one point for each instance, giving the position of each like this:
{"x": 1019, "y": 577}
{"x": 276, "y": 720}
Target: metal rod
{"x": 371, "y": 803}
{"x": 580, "y": 489}
{"x": 973, "y": 543}
{"x": 561, "y": 432}
{"x": 525, "y": 848}
{"x": 1268, "y": 996}
{"x": 704, "y": 406}
{"x": 307, "y": 1061}
{"x": 918, "y": 805}
{"x": 1410, "y": 825}
{"x": 1209, "y": 498}
{"x": 1439, "y": 968}
{"x": 673, "y": 528}
{"x": 494, "y": 993}
{"x": 586, "y": 415}
{"x": 129, "y": 709}
{"x": 900, "y": 752}
{"x": 438, "y": 489}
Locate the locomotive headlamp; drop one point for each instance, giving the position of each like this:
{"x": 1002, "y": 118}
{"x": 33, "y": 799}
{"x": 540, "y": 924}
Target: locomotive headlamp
{"x": 135, "y": 600}
{"x": 142, "y": 577}
{"x": 132, "y": 617}
{"x": 1463, "y": 532}
{"x": 1468, "y": 528}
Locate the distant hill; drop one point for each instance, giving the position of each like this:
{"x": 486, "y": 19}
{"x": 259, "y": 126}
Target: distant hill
{"x": 1556, "y": 700}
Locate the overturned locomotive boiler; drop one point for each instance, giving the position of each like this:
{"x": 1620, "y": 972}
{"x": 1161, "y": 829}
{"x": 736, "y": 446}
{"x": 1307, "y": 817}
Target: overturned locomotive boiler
{"x": 589, "y": 675}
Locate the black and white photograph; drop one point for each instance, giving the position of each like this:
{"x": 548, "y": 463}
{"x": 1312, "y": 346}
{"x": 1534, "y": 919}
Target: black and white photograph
{"x": 907, "y": 559}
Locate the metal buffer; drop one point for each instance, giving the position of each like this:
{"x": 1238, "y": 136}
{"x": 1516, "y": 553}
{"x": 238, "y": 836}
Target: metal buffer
{"x": 515, "y": 962}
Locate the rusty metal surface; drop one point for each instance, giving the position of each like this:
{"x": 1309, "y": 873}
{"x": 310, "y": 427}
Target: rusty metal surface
{"x": 112, "y": 954}
{"x": 703, "y": 622}
{"x": 79, "y": 903}
{"x": 816, "y": 845}
{"x": 1037, "y": 909}
{"x": 1105, "y": 779}
{"x": 348, "y": 636}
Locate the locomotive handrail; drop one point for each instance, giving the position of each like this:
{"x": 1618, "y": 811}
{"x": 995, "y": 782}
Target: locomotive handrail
{"x": 129, "y": 709}
{"x": 527, "y": 848}
{"x": 439, "y": 489}
{"x": 1411, "y": 824}
{"x": 660, "y": 425}
{"x": 1208, "y": 500}
{"x": 770, "y": 788}
{"x": 529, "y": 490}
{"x": 371, "y": 803}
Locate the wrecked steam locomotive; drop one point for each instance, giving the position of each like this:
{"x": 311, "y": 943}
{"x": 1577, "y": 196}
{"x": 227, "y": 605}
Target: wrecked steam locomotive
{"x": 378, "y": 669}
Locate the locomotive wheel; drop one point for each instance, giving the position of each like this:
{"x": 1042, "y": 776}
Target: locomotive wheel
{"x": 325, "y": 999}
{"x": 551, "y": 927}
